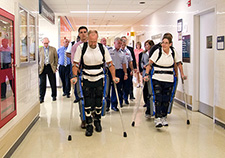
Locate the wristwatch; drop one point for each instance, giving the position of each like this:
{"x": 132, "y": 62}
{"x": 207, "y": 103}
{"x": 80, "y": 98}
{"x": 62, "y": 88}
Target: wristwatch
{"x": 75, "y": 76}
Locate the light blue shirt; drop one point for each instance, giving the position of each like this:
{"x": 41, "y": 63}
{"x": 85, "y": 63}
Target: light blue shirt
{"x": 118, "y": 58}
{"x": 61, "y": 54}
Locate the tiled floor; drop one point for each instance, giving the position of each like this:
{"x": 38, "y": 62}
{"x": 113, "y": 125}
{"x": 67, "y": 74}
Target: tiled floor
{"x": 48, "y": 137}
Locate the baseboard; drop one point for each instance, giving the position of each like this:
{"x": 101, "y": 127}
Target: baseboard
{"x": 11, "y": 140}
{"x": 180, "y": 102}
{"x": 206, "y": 109}
{"x": 219, "y": 113}
{"x": 217, "y": 122}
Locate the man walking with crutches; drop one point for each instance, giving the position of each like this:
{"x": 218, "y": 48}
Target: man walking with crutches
{"x": 92, "y": 61}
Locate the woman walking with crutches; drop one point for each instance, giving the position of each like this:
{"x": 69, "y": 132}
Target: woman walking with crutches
{"x": 162, "y": 62}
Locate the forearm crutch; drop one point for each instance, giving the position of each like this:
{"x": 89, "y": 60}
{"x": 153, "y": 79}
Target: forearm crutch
{"x": 185, "y": 101}
{"x": 139, "y": 102}
{"x": 71, "y": 111}
{"x": 124, "y": 133}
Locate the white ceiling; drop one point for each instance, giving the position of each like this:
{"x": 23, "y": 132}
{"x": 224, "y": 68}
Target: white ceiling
{"x": 108, "y": 24}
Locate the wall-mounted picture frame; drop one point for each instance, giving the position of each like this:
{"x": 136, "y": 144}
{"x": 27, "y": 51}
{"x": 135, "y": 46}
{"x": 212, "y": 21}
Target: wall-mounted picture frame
{"x": 209, "y": 41}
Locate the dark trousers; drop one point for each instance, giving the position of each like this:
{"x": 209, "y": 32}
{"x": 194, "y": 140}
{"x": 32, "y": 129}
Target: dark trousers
{"x": 110, "y": 83}
{"x": 93, "y": 94}
{"x": 131, "y": 85}
{"x": 162, "y": 93}
{"x": 126, "y": 86}
{"x": 146, "y": 94}
{"x": 52, "y": 79}
{"x": 119, "y": 74}
{"x": 64, "y": 73}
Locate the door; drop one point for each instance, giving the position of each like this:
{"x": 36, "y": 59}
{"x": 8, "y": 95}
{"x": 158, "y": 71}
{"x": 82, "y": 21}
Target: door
{"x": 7, "y": 69}
{"x": 206, "y": 79}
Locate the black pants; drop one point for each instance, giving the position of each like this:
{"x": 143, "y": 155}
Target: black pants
{"x": 64, "y": 73}
{"x": 162, "y": 93}
{"x": 110, "y": 82}
{"x": 93, "y": 94}
{"x": 131, "y": 85}
{"x": 52, "y": 79}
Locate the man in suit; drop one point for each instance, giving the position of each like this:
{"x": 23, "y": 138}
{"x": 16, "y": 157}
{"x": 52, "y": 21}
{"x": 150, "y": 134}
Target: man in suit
{"x": 131, "y": 49}
{"x": 48, "y": 61}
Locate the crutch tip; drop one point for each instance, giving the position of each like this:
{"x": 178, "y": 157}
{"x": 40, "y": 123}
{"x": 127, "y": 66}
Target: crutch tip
{"x": 124, "y": 134}
{"x": 69, "y": 138}
{"x": 133, "y": 124}
{"x": 188, "y": 122}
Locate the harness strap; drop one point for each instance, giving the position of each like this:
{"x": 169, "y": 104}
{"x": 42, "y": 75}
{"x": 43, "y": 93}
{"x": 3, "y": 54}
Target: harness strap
{"x": 92, "y": 74}
{"x": 93, "y": 67}
{"x": 164, "y": 72}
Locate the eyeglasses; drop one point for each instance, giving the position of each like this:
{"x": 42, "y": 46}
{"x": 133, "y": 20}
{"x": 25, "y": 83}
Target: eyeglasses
{"x": 45, "y": 43}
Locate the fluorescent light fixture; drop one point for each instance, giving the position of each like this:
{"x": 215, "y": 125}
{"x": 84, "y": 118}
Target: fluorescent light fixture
{"x": 83, "y": 12}
{"x": 105, "y": 26}
{"x": 123, "y": 11}
{"x": 100, "y": 12}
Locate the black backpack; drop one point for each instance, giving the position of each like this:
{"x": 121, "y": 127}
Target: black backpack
{"x": 83, "y": 52}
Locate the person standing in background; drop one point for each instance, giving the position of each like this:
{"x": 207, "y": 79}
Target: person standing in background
{"x": 48, "y": 62}
{"x": 64, "y": 68}
{"x": 131, "y": 49}
{"x": 137, "y": 51}
{"x": 83, "y": 37}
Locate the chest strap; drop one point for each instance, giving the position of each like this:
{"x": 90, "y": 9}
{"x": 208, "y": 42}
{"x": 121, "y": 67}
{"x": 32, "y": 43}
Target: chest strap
{"x": 93, "y": 67}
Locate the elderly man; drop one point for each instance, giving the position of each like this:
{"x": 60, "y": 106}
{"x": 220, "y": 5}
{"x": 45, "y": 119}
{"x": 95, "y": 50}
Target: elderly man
{"x": 92, "y": 56}
{"x": 48, "y": 62}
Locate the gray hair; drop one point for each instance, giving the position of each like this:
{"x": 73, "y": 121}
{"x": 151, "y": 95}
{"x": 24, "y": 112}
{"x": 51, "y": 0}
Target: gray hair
{"x": 118, "y": 39}
{"x": 44, "y": 39}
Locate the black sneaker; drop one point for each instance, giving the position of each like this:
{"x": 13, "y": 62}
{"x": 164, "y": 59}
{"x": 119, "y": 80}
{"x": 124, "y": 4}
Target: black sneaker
{"x": 98, "y": 127}
{"x": 107, "y": 109}
{"x": 89, "y": 130}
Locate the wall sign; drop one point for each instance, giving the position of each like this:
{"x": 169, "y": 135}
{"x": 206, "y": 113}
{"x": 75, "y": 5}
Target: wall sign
{"x": 46, "y": 12}
{"x": 220, "y": 43}
{"x": 179, "y": 25}
{"x": 186, "y": 48}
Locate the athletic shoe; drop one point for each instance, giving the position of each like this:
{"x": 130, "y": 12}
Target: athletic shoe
{"x": 158, "y": 122}
{"x": 138, "y": 86}
{"x": 115, "y": 109}
{"x": 107, "y": 109}
{"x": 148, "y": 116}
{"x": 164, "y": 122}
{"x": 98, "y": 127}
{"x": 89, "y": 130}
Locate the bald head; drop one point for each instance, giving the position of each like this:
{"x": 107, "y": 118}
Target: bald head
{"x": 103, "y": 41}
{"x": 93, "y": 38}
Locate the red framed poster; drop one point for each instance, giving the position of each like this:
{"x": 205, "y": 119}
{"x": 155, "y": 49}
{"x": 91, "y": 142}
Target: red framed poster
{"x": 7, "y": 68}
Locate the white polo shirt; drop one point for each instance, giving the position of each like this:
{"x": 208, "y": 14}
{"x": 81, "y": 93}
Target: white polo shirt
{"x": 92, "y": 57}
{"x": 165, "y": 60}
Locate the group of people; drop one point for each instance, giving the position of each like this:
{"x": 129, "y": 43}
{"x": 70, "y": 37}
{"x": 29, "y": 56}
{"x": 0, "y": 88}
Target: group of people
{"x": 120, "y": 62}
